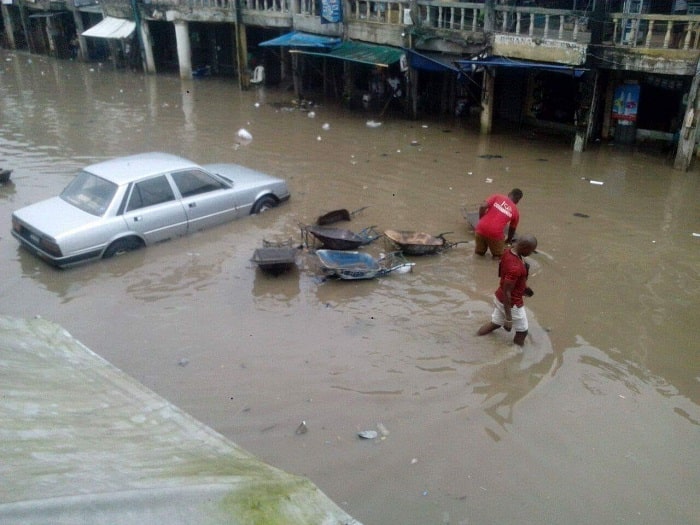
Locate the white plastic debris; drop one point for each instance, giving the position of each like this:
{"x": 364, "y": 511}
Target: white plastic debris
{"x": 404, "y": 268}
{"x": 243, "y": 136}
{"x": 696, "y": 234}
{"x": 373, "y": 124}
{"x": 368, "y": 434}
{"x": 596, "y": 182}
{"x": 489, "y": 180}
{"x": 326, "y": 126}
{"x": 311, "y": 114}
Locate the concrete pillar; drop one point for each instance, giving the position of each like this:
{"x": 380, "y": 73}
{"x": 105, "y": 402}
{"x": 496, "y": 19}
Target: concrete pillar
{"x": 242, "y": 54}
{"x": 51, "y": 32}
{"x": 82, "y": 41}
{"x": 9, "y": 26}
{"x": 184, "y": 51}
{"x": 26, "y": 27}
{"x": 296, "y": 75}
{"x": 284, "y": 61}
{"x": 487, "y": 101}
{"x": 147, "y": 42}
{"x": 688, "y": 131}
{"x": 585, "y": 128}
{"x": 413, "y": 79}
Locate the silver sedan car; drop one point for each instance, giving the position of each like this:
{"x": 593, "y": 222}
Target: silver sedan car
{"x": 130, "y": 202}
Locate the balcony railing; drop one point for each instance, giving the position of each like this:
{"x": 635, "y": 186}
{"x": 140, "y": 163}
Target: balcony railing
{"x": 656, "y": 31}
{"x": 455, "y": 16}
{"x": 209, "y": 4}
{"x": 379, "y": 11}
{"x": 555, "y": 24}
{"x": 276, "y": 6}
{"x": 309, "y": 8}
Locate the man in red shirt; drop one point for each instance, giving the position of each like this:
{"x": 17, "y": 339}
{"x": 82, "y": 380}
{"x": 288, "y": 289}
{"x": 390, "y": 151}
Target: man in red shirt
{"x": 495, "y": 213}
{"x": 509, "y": 311}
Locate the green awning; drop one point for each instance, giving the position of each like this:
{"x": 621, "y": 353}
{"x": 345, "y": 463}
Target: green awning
{"x": 373, "y": 55}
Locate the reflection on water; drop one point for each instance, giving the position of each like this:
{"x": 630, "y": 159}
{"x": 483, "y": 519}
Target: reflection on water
{"x": 7, "y": 190}
{"x": 277, "y": 288}
{"x": 503, "y": 384}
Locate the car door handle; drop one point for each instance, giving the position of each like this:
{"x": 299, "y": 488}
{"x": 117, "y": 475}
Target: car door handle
{"x": 192, "y": 205}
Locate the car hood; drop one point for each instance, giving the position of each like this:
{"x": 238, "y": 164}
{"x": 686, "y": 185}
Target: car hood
{"x": 55, "y": 217}
{"x": 241, "y": 175}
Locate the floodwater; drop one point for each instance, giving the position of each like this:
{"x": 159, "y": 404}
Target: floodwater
{"x": 596, "y": 420}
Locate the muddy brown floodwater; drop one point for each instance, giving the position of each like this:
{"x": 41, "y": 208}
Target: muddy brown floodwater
{"x": 595, "y": 421}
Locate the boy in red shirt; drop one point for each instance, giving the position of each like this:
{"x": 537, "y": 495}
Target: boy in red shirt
{"x": 495, "y": 213}
{"x": 509, "y": 311}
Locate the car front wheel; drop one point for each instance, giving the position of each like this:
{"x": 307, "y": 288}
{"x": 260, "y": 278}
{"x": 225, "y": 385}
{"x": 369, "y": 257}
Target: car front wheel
{"x": 121, "y": 246}
{"x": 263, "y": 204}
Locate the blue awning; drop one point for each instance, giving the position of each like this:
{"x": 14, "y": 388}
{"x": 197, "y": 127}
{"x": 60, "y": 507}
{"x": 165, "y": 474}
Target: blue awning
{"x": 469, "y": 65}
{"x": 299, "y": 39}
{"x": 436, "y": 62}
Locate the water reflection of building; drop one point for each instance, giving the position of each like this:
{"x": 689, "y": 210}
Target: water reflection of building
{"x": 552, "y": 64}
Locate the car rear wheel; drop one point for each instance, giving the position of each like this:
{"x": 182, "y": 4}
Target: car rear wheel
{"x": 263, "y": 204}
{"x": 121, "y": 246}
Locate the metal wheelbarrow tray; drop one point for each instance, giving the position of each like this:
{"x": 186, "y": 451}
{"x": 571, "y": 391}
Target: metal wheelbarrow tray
{"x": 275, "y": 260}
{"x": 340, "y": 239}
{"x": 418, "y": 243}
{"x": 351, "y": 265}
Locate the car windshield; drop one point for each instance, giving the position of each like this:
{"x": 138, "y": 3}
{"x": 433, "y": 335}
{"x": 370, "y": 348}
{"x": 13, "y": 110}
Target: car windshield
{"x": 90, "y": 193}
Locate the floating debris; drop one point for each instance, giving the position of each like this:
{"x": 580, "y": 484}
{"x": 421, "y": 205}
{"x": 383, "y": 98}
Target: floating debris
{"x": 577, "y": 214}
{"x": 368, "y": 434}
{"x": 243, "y": 136}
{"x": 489, "y": 156}
{"x": 183, "y": 362}
{"x": 326, "y": 126}
{"x": 373, "y": 124}
{"x": 301, "y": 429}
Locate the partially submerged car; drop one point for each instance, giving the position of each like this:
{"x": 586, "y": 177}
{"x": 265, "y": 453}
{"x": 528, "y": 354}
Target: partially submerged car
{"x": 130, "y": 202}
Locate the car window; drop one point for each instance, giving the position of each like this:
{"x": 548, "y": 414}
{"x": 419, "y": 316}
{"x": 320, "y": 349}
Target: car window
{"x": 195, "y": 182}
{"x": 90, "y": 193}
{"x": 150, "y": 192}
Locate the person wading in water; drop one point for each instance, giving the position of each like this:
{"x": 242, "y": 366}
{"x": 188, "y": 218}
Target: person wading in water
{"x": 509, "y": 311}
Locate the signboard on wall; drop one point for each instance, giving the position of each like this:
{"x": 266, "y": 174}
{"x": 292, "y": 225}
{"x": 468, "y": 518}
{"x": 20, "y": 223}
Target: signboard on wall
{"x": 331, "y": 11}
{"x": 626, "y": 102}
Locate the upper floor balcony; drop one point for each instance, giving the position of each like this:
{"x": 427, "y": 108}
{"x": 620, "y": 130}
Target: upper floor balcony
{"x": 527, "y": 32}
